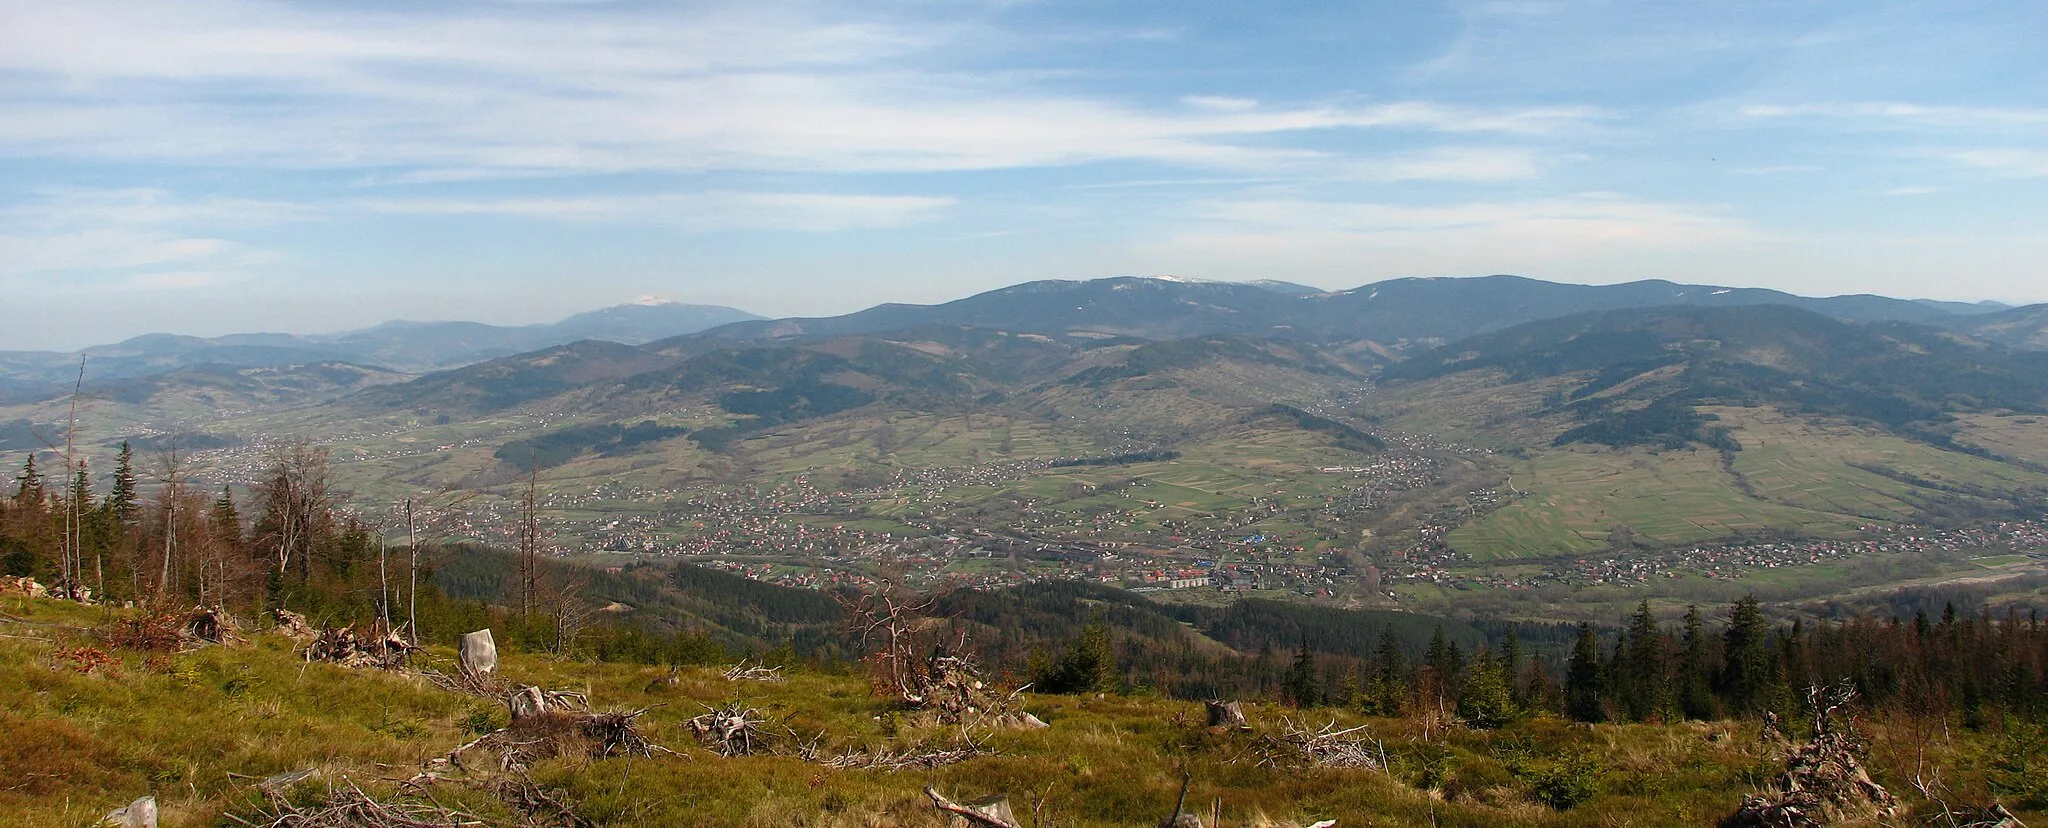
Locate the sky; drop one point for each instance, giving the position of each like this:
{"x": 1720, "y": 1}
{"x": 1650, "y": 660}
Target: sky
{"x": 213, "y": 166}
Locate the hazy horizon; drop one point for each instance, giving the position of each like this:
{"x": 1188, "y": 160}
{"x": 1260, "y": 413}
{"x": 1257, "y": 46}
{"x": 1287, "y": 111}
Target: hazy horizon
{"x": 563, "y": 315}
{"x": 225, "y": 166}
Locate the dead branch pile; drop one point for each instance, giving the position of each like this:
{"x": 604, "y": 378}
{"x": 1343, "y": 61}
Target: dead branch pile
{"x": 482, "y": 686}
{"x": 755, "y": 672}
{"x": 614, "y": 734}
{"x": 912, "y": 758}
{"x": 731, "y": 730}
{"x": 346, "y": 806}
{"x": 294, "y": 626}
{"x": 549, "y": 734}
{"x": 542, "y": 806}
{"x": 210, "y": 625}
{"x": 950, "y": 687}
{"x": 348, "y": 648}
{"x": 1823, "y": 783}
{"x": 1325, "y": 747}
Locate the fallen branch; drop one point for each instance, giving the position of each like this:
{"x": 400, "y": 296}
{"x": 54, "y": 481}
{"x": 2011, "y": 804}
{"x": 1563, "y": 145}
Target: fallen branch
{"x": 348, "y": 807}
{"x": 993, "y": 812}
{"x": 758, "y": 672}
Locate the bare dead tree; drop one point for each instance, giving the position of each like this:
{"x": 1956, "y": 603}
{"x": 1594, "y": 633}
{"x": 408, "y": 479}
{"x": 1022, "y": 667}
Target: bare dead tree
{"x": 529, "y": 542}
{"x": 172, "y": 470}
{"x": 886, "y": 622}
{"x": 415, "y": 510}
{"x": 73, "y": 555}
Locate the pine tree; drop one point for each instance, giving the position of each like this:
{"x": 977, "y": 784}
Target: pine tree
{"x": 1582, "y": 688}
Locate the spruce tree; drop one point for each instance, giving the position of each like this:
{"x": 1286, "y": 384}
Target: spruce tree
{"x": 28, "y": 489}
{"x": 1511, "y": 665}
{"x": 1746, "y": 675}
{"x": 1695, "y": 696}
{"x": 1303, "y": 689}
{"x": 1642, "y": 681}
{"x": 1389, "y": 675}
{"x": 1582, "y": 686}
{"x": 1483, "y": 700}
{"x": 122, "y": 499}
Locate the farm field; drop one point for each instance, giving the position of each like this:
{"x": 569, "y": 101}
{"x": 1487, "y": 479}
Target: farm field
{"x": 1794, "y": 474}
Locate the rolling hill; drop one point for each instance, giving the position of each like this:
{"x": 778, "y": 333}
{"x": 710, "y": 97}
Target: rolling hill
{"x": 1394, "y": 311}
{"x": 1691, "y": 424}
{"x": 400, "y": 345}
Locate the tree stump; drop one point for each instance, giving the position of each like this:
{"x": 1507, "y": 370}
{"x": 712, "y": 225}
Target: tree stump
{"x": 1228, "y": 715}
{"x": 139, "y": 814}
{"x": 477, "y": 653}
{"x": 527, "y": 701}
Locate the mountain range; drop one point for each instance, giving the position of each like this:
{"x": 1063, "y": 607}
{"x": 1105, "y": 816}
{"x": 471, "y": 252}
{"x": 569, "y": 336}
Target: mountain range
{"x": 1683, "y": 412}
{"x": 403, "y": 346}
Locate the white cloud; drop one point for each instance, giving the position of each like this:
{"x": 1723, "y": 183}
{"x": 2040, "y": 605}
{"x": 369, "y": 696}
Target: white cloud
{"x": 1472, "y": 164}
{"x": 695, "y": 211}
{"x": 601, "y": 90}
{"x": 177, "y": 280}
{"x": 1345, "y": 242}
{"x": 2025, "y": 163}
{"x": 1908, "y": 114}
{"x": 1220, "y": 103}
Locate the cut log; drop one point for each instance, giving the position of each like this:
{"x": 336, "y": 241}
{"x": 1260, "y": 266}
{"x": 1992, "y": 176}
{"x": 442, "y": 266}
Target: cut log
{"x": 1227, "y": 714}
{"x": 139, "y": 814}
{"x": 987, "y": 812}
{"x": 478, "y": 653}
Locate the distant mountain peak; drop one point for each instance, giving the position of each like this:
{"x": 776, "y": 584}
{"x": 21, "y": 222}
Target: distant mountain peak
{"x": 652, "y": 301}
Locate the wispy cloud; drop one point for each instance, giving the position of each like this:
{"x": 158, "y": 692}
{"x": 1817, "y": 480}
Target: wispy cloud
{"x": 1900, "y": 114}
{"x": 2025, "y": 163}
{"x": 1349, "y": 241}
{"x": 611, "y": 90}
{"x": 1469, "y": 164}
{"x": 97, "y": 233}
{"x": 694, "y": 211}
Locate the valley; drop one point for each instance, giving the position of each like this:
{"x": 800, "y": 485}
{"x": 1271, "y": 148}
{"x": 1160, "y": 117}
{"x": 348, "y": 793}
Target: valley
{"x": 992, "y": 445}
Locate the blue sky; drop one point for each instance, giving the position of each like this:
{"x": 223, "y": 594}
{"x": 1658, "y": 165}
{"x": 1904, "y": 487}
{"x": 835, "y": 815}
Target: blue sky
{"x": 209, "y": 166}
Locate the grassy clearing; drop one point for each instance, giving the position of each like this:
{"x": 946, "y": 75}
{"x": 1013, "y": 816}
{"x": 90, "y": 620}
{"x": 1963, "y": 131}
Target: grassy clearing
{"x": 176, "y": 726}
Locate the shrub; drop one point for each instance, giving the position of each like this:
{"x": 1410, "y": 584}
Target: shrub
{"x": 153, "y": 633}
{"x": 1563, "y": 782}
